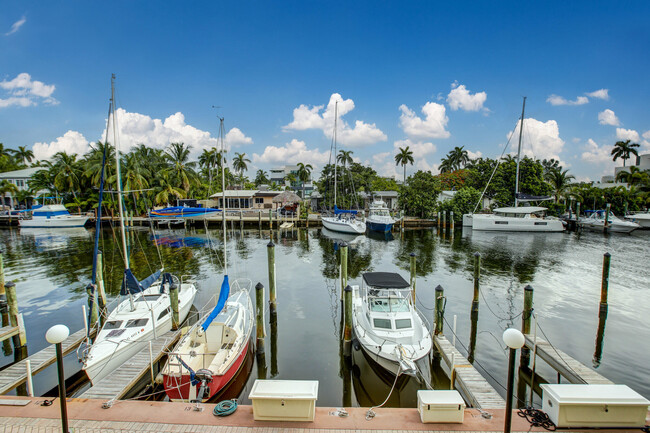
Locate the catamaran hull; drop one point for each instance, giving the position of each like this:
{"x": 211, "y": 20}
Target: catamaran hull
{"x": 179, "y": 388}
{"x": 334, "y": 224}
{"x": 508, "y": 224}
{"x": 71, "y": 221}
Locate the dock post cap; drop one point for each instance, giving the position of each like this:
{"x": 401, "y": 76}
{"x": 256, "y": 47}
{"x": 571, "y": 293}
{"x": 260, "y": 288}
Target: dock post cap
{"x": 607, "y": 254}
{"x": 270, "y": 244}
{"x": 528, "y": 288}
{"x": 477, "y": 254}
{"x": 259, "y": 286}
{"x": 513, "y": 338}
{"x": 57, "y": 334}
{"x": 413, "y": 255}
{"x": 343, "y": 244}
{"x": 10, "y": 284}
{"x": 347, "y": 288}
{"x": 439, "y": 288}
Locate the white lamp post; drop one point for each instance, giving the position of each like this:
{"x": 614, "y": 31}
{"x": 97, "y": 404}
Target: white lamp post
{"x": 57, "y": 335}
{"x": 514, "y": 339}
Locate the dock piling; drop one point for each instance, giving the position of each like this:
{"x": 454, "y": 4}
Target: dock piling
{"x": 413, "y": 275}
{"x": 525, "y": 323}
{"x": 12, "y": 302}
{"x": 173, "y": 300}
{"x": 438, "y": 221}
{"x": 271, "y": 221}
{"x": 477, "y": 281}
{"x": 30, "y": 380}
{"x": 344, "y": 268}
{"x": 347, "y": 330}
{"x": 577, "y": 212}
{"x": 153, "y": 377}
{"x": 259, "y": 219}
{"x": 451, "y": 221}
{"x": 99, "y": 279}
{"x": 259, "y": 323}
{"x": 270, "y": 250}
{"x": 604, "y": 287}
{"x": 607, "y": 210}
{"x": 91, "y": 290}
{"x": 439, "y": 310}
{"x": 444, "y": 221}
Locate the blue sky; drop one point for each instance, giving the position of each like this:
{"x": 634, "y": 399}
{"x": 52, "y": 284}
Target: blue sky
{"x": 406, "y": 73}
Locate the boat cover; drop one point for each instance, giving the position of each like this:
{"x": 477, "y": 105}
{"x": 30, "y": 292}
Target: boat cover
{"x": 223, "y": 297}
{"x": 385, "y": 280}
{"x": 181, "y": 211}
{"x": 527, "y": 197}
{"x": 338, "y": 211}
{"x": 131, "y": 285}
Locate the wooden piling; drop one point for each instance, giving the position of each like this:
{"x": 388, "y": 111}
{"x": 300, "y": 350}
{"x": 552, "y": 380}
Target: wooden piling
{"x": 344, "y": 267}
{"x": 604, "y": 286}
{"x": 270, "y": 250}
{"x": 477, "y": 278}
{"x": 347, "y": 330}
{"x": 444, "y": 221}
{"x": 577, "y": 212}
{"x": 91, "y": 290}
{"x": 12, "y": 302}
{"x": 402, "y": 219}
{"x": 99, "y": 279}
{"x": 413, "y": 275}
{"x": 438, "y": 221}
{"x": 451, "y": 221}
{"x": 259, "y": 317}
{"x": 2, "y": 276}
{"x": 525, "y": 323}
{"x": 271, "y": 219}
{"x": 439, "y": 310}
{"x": 173, "y": 300}
{"x": 259, "y": 219}
{"x": 607, "y": 210}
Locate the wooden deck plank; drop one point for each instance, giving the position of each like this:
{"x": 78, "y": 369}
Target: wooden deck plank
{"x": 8, "y": 332}
{"x": 117, "y": 384}
{"x": 571, "y": 369}
{"x": 475, "y": 389}
{"x": 16, "y": 374}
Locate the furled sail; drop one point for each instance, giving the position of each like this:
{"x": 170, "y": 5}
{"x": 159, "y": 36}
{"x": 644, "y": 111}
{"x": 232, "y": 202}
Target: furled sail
{"x": 223, "y": 297}
{"x": 527, "y": 197}
{"x": 338, "y": 211}
{"x": 131, "y": 285}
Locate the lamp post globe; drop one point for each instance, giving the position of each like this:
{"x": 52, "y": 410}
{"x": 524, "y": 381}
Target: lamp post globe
{"x": 514, "y": 339}
{"x": 57, "y": 334}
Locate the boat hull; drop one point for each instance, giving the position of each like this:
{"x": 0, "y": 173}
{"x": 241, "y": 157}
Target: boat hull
{"x": 643, "y": 220}
{"x": 71, "y": 221}
{"x": 612, "y": 228}
{"x": 512, "y": 224}
{"x": 179, "y": 388}
{"x": 379, "y": 227}
{"x": 343, "y": 226}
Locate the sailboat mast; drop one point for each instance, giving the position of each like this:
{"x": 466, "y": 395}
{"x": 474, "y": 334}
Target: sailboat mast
{"x": 223, "y": 196}
{"x": 119, "y": 176}
{"x": 521, "y": 132}
{"x": 336, "y": 115}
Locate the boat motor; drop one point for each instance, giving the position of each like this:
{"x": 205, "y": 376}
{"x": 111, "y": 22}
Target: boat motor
{"x": 204, "y": 376}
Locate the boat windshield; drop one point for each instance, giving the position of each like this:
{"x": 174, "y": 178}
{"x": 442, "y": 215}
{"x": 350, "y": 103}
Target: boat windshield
{"x": 386, "y": 305}
{"x": 380, "y": 212}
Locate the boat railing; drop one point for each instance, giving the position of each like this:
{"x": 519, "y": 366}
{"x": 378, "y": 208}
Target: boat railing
{"x": 244, "y": 284}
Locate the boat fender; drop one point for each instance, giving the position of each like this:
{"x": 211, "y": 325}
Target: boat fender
{"x": 225, "y": 408}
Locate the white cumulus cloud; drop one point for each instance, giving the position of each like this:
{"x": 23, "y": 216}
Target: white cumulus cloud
{"x": 559, "y": 100}
{"x": 474, "y": 155}
{"x": 16, "y": 26}
{"x": 646, "y": 140}
{"x": 235, "y": 138}
{"x": 627, "y": 134}
{"x": 599, "y": 94}
{"x": 291, "y": 153}
{"x": 420, "y": 149}
{"x": 607, "y": 117}
{"x": 596, "y": 154}
{"x": 541, "y": 139}
{"x": 23, "y": 91}
{"x": 305, "y": 117}
{"x": 432, "y": 126}
{"x": 71, "y": 142}
{"x": 461, "y": 98}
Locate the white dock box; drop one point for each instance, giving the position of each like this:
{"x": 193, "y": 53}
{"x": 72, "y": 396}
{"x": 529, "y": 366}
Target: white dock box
{"x": 571, "y": 405}
{"x": 441, "y": 406}
{"x": 284, "y": 400}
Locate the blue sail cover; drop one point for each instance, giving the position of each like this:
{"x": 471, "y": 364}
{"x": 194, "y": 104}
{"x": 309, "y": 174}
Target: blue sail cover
{"x": 131, "y": 285}
{"x": 338, "y": 211}
{"x": 223, "y": 297}
{"x": 181, "y": 212}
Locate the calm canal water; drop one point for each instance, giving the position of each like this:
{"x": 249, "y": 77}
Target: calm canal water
{"x": 51, "y": 270}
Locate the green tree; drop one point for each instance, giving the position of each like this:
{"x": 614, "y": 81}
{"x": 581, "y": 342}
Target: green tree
{"x": 68, "y": 172}
{"x": 404, "y": 157}
{"x": 25, "y": 155}
{"x": 623, "y": 150}
{"x": 261, "y": 178}
{"x": 240, "y": 164}
{"x": 7, "y": 187}
{"x": 181, "y": 169}
{"x": 559, "y": 180}
{"x": 304, "y": 174}
{"x": 463, "y": 202}
{"x": 418, "y": 198}
{"x": 458, "y": 157}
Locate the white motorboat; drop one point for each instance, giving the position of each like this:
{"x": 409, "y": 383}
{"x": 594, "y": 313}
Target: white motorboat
{"x": 596, "y": 222}
{"x": 135, "y": 321}
{"x": 641, "y": 218}
{"x": 517, "y": 219}
{"x": 379, "y": 218}
{"x": 387, "y": 324}
{"x": 51, "y": 216}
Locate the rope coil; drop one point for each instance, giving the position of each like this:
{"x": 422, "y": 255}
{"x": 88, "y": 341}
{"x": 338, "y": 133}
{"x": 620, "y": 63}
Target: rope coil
{"x": 225, "y": 408}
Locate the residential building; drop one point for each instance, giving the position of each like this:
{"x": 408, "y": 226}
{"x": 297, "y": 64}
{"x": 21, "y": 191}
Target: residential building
{"x": 642, "y": 163}
{"x": 20, "y": 178}
{"x": 279, "y": 174}
{"x": 243, "y": 199}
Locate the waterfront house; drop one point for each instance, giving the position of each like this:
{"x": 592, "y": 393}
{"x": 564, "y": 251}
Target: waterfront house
{"x": 245, "y": 199}
{"x": 279, "y": 176}
{"x": 20, "y": 178}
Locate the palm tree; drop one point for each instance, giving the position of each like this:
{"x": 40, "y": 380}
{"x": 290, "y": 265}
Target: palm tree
{"x": 261, "y": 178}
{"x": 167, "y": 189}
{"x": 5, "y": 156}
{"x": 304, "y": 174}
{"x": 43, "y": 180}
{"x": 68, "y": 172}
{"x": 8, "y": 187}
{"x": 345, "y": 157}
{"x": 559, "y": 180}
{"x": 181, "y": 170}
{"x": 446, "y": 165}
{"x": 26, "y": 155}
{"x": 404, "y": 157}
{"x": 458, "y": 157}
{"x": 208, "y": 160}
{"x": 239, "y": 163}
{"x": 93, "y": 163}
{"x": 623, "y": 149}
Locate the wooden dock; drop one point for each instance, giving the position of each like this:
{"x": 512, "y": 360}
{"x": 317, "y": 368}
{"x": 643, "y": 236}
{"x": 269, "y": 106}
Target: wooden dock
{"x": 16, "y": 374}
{"x": 7, "y": 332}
{"x": 469, "y": 382}
{"x": 574, "y": 371}
{"x": 118, "y": 384}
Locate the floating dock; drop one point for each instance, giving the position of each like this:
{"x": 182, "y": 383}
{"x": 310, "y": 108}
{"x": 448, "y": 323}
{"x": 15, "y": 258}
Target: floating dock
{"x": 468, "y": 381}
{"x": 119, "y": 383}
{"x": 16, "y": 374}
{"x": 574, "y": 371}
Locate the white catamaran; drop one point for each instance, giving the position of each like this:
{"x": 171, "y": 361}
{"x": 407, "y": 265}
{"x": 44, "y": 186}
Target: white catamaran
{"x": 516, "y": 219}
{"x": 146, "y": 312}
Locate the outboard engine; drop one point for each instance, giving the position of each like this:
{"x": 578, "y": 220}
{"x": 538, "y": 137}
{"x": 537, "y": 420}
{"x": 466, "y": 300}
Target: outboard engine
{"x": 204, "y": 376}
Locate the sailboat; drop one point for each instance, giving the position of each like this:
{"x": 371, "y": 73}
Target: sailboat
{"x": 213, "y": 350}
{"x": 146, "y": 311}
{"x": 344, "y": 221}
{"x": 516, "y": 219}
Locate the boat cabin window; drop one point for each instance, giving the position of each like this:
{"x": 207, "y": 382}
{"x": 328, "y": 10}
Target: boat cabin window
{"x": 381, "y": 323}
{"x": 148, "y": 298}
{"x": 385, "y": 305}
{"x": 164, "y": 313}
{"x": 380, "y": 212}
{"x": 402, "y": 323}
{"x": 113, "y": 324}
{"x": 134, "y": 323}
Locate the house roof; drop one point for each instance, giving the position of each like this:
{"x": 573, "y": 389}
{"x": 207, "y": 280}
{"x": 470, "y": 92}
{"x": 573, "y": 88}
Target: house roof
{"x": 392, "y": 194}
{"x": 24, "y": 173}
{"x": 245, "y": 193}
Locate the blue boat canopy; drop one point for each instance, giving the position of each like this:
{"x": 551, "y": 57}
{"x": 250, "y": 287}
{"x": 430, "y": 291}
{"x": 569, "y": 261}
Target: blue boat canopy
{"x": 131, "y": 285}
{"x": 338, "y": 211}
{"x": 181, "y": 211}
{"x": 223, "y": 297}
